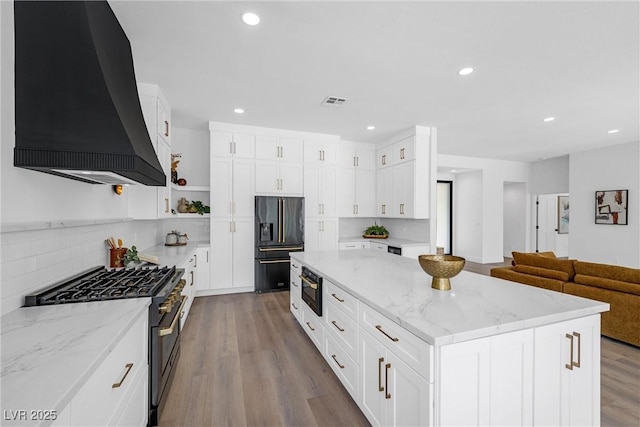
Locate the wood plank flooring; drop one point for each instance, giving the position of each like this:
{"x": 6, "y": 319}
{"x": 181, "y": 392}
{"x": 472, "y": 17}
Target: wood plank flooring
{"x": 245, "y": 361}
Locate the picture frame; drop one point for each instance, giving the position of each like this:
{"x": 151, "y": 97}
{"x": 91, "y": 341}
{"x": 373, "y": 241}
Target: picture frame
{"x": 611, "y": 207}
{"x": 563, "y": 214}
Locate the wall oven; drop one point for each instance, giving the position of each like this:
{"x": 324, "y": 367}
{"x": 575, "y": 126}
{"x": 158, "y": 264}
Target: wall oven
{"x": 312, "y": 290}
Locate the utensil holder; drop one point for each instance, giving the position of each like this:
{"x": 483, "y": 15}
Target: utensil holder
{"x": 116, "y": 257}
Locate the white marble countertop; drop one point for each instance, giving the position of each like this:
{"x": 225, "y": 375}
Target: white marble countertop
{"x": 174, "y": 255}
{"x": 477, "y": 306}
{"x": 49, "y": 352}
{"x": 389, "y": 241}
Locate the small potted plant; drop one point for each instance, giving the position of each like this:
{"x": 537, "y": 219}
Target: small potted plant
{"x": 196, "y": 206}
{"x": 376, "y": 232}
{"x": 131, "y": 258}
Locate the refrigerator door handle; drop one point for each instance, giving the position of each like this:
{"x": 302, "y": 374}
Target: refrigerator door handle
{"x": 284, "y": 220}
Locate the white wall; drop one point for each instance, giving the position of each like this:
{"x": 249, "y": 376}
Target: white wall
{"x": 195, "y": 169}
{"x": 515, "y": 214}
{"x": 467, "y": 216}
{"x": 611, "y": 168}
{"x": 550, "y": 176}
{"x": 493, "y": 175}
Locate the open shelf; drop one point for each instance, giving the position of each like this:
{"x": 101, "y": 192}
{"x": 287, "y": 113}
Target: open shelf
{"x": 190, "y": 187}
{"x": 191, "y": 215}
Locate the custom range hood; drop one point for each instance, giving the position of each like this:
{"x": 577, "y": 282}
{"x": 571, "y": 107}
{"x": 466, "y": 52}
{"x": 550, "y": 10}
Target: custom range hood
{"x": 78, "y": 114}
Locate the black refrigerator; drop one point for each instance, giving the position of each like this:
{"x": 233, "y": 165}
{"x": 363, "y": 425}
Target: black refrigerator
{"x": 279, "y": 229}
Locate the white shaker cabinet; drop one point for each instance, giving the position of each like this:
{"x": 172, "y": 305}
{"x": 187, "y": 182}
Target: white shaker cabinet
{"x": 232, "y": 187}
{"x": 278, "y": 178}
{"x": 238, "y": 145}
{"x": 356, "y": 193}
{"x": 232, "y": 254}
{"x": 392, "y": 394}
{"x": 320, "y": 190}
{"x": 567, "y": 367}
{"x": 203, "y": 265}
{"x": 279, "y": 149}
{"x": 321, "y": 234}
{"x": 320, "y": 152}
{"x": 146, "y": 202}
{"x": 189, "y": 290}
{"x": 295, "y": 290}
{"x": 384, "y": 190}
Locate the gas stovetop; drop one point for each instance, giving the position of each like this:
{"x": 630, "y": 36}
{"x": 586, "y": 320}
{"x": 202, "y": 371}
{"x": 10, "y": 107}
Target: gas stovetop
{"x": 100, "y": 283}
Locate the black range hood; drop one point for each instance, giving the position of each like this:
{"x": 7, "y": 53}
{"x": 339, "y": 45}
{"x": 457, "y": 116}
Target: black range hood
{"x": 78, "y": 114}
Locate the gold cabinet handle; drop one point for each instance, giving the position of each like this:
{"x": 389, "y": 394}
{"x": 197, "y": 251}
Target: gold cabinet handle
{"x": 333, "y": 356}
{"x": 128, "y": 366}
{"x": 293, "y": 304}
{"x": 380, "y": 360}
{"x": 166, "y": 128}
{"x": 191, "y": 273}
{"x": 166, "y": 205}
{"x": 336, "y": 325}
{"x": 379, "y": 327}
{"x": 577, "y": 335}
{"x": 336, "y": 297}
{"x": 387, "y": 395}
{"x": 569, "y": 365}
{"x": 168, "y": 331}
{"x": 311, "y": 327}
{"x": 195, "y": 261}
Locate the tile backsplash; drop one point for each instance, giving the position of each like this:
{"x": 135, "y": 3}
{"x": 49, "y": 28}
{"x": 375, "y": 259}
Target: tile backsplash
{"x": 32, "y": 259}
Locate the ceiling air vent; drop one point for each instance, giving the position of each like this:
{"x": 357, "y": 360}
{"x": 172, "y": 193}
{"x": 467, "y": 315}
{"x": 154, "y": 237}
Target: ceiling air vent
{"x": 333, "y": 101}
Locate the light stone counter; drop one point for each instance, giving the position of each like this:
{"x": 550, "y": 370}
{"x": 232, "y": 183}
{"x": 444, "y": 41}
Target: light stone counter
{"x": 49, "y": 352}
{"x": 390, "y": 241}
{"x": 174, "y": 255}
{"x": 477, "y": 306}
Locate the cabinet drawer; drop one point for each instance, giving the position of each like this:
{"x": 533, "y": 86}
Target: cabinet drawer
{"x": 296, "y": 269}
{"x": 134, "y": 410}
{"x": 412, "y": 350}
{"x": 343, "y": 366}
{"x": 312, "y": 325}
{"x": 343, "y": 328}
{"x": 295, "y": 292}
{"x": 97, "y": 400}
{"x": 350, "y": 245}
{"x": 343, "y": 300}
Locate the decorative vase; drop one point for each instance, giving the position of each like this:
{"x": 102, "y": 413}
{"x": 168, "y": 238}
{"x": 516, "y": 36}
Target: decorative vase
{"x": 183, "y": 205}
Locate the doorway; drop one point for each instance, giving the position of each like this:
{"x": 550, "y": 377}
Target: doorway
{"x": 444, "y": 216}
{"x": 548, "y": 235}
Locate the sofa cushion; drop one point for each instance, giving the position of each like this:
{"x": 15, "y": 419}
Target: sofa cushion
{"x": 522, "y": 257}
{"x": 508, "y": 273}
{"x": 545, "y": 261}
{"x": 614, "y": 285}
{"x": 543, "y": 272}
{"x": 613, "y": 272}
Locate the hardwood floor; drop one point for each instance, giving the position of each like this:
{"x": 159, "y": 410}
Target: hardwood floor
{"x": 246, "y": 362}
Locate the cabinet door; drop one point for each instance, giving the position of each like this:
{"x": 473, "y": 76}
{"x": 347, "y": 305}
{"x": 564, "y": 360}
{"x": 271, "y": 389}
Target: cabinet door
{"x": 203, "y": 266}
{"x": 366, "y": 159}
{"x": 221, "y": 187}
{"x": 373, "y": 388}
{"x": 383, "y": 157}
{"x": 164, "y": 120}
{"x": 312, "y": 151}
{"x": 243, "y": 252}
{"x": 243, "y": 188}
{"x": 244, "y": 146}
{"x": 409, "y": 398}
{"x": 295, "y": 292}
{"x": 267, "y": 180}
{"x": 346, "y": 192}
{"x": 403, "y": 190}
{"x": 330, "y": 153}
{"x": 222, "y": 253}
{"x": 346, "y": 157}
{"x": 365, "y": 193}
{"x": 291, "y": 150}
{"x": 291, "y": 179}
{"x": 567, "y": 373}
{"x": 312, "y": 234}
{"x": 164, "y": 193}
{"x": 267, "y": 148}
{"x": 384, "y": 188}
{"x": 328, "y": 184}
{"x": 328, "y": 240}
{"x": 312, "y": 189}
{"x": 404, "y": 150}
{"x": 221, "y": 144}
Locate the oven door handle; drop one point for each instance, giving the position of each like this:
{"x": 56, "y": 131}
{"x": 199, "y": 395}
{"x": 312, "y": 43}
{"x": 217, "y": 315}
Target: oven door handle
{"x": 308, "y": 282}
{"x": 168, "y": 331}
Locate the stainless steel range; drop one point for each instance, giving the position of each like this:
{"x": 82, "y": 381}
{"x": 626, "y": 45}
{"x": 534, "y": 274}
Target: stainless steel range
{"x": 162, "y": 284}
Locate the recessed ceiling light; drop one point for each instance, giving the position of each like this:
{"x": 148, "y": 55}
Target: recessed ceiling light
{"x": 238, "y": 110}
{"x": 614, "y": 131}
{"x": 465, "y": 71}
{"x": 453, "y": 171}
{"x": 250, "y": 18}
{"x": 371, "y": 127}
{"x": 549, "y": 119}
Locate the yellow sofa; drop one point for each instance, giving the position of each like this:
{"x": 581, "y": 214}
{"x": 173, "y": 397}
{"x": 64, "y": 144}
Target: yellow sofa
{"x": 617, "y": 286}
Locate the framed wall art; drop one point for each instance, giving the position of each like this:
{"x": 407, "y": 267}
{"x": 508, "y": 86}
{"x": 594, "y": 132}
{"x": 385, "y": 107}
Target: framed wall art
{"x": 611, "y": 207}
{"x": 563, "y": 214}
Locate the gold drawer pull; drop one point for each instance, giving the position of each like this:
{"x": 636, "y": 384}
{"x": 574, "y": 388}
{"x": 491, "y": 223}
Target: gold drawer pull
{"x": 380, "y": 388}
{"x": 336, "y": 297}
{"x": 569, "y": 365}
{"x": 386, "y": 380}
{"x": 294, "y": 305}
{"x": 378, "y": 327}
{"x": 311, "y": 327}
{"x": 336, "y": 325}
{"x": 577, "y": 365}
{"x": 333, "y": 356}
{"x": 128, "y": 366}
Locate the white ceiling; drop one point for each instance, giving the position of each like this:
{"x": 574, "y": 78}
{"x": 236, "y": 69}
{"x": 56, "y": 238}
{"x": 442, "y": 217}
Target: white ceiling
{"x": 397, "y": 64}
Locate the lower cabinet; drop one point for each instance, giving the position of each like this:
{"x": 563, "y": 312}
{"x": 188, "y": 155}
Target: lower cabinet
{"x": 232, "y": 257}
{"x": 117, "y": 393}
{"x": 203, "y": 266}
{"x": 190, "y": 288}
{"x": 567, "y": 366}
{"x": 321, "y": 234}
{"x": 295, "y": 289}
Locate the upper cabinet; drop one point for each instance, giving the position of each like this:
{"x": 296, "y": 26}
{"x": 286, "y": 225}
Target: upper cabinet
{"x": 227, "y": 144}
{"x": 320, "y": 152}
{"x": 154, "y": 202}
{"x": 405, "y": 174}
{"x": 356, "y": 179}
{"x": 279, "y": 168}
{"x": 278, "y": 149}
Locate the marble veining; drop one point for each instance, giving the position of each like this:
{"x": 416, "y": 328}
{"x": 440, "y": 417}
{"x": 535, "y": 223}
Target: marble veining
{"x": 49, "y": 352}
{"x": 477, "y": 306}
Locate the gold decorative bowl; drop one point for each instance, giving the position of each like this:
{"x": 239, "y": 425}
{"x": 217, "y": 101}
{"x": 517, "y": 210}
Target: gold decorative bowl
{"x": 441, "y": 268}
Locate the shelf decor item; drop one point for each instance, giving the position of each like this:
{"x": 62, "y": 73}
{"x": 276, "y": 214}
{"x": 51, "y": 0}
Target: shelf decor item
{"x": 441, "y": 268}
{"x": 183, "y": 205}
{"x": 174, "y": 166}
{"x": 563, "y": 214}
{"x": 196, "y": 206}
{"x": 611, "y": 207}
{"x": 376, "y": 232}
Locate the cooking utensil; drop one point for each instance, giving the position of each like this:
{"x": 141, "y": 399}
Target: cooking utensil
{"x": 119, "y": 243}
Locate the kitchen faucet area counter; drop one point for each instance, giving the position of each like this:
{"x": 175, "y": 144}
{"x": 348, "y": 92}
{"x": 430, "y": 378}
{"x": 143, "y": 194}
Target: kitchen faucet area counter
{"x": 477, "y": 306}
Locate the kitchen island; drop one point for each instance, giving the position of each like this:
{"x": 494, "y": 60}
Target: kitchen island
{"x": 487, "y": 352}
